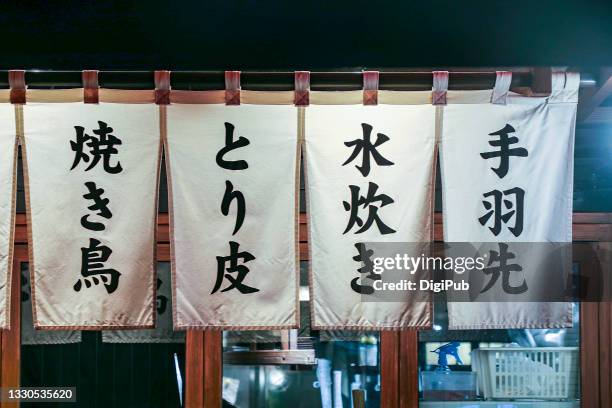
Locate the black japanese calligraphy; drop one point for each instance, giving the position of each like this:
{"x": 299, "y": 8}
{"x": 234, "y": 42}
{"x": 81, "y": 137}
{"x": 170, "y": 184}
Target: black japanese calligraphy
{"x": 95, "y": 149}
{"x": 367, "y": 149}
{"x": 235, "y": 272}
{"x": 365, "y": 257}
{"x": 100, "y": 205}
{"x": 369, "y": 202}
{"x": 372, "y": 202}
{"x": 100, "y": 147}
{"x": 225, "y": 272}
{"x": 230, "y": 145}
{"x": 93, "y": 270}
{"x": 509, "y": 203}
{"x": 230, "y": 196}
{"x": 513, "y": 202}
{"x": 504, "y": 151}
{"x": 504, "y": 270}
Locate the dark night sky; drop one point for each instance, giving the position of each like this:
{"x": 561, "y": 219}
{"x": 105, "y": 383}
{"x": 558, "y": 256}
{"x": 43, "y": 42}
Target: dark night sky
{"x": 251, "y": 34}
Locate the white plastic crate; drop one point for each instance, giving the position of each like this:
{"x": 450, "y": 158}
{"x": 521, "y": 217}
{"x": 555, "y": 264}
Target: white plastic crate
{"x": 527, "y": 372}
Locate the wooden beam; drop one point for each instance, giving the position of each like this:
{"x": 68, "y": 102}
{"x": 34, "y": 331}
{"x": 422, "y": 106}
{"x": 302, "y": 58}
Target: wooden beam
{"x": 163, "y": 228}
{"x": 586, "y": 227}
{"x": 541, "y": 83}
{"x": 592, "y": 218}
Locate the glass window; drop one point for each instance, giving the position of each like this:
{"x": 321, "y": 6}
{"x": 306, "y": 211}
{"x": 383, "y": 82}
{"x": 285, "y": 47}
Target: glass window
{"x": 300, "y": 369}
{"x": 518, "y": 365}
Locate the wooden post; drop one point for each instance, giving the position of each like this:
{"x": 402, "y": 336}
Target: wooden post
{"x": 389, "y": 369}
{"x": 605, "y": 326}
{"x": 408, "y": 369}
{"x": 213, "y": 368}
{"x": 589, "y": 355}
{"x": 194, "y": 369}
{"x": 11, "y": 339}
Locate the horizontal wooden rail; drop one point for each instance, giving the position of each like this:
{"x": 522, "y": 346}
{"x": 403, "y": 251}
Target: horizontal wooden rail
{"x": 586, "y": 227}
{"x": 412, "y": 80}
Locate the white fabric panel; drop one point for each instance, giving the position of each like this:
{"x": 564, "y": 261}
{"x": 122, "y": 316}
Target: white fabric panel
{"x": 545, "y": 129}
{"x": 162, "y": 333}
{"x": 408, "y": 182}
{"x": 8, "y": 142}
{"x": 94, "y": 272}
{"x": 200, "y": 232}
{"x": 32, "y": 337}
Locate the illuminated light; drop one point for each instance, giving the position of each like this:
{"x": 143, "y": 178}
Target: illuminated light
{"x": 277, "y": 378}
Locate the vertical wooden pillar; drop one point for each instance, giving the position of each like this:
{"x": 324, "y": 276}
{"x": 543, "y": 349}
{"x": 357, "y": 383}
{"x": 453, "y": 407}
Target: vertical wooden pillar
{"x": 408, "y": 369}
{"x": 11, "y": 339}
{"x": 605, "y": 354}
{"x": 194, "y": 369}
{"x": 213, "y": 368}
{"x": 399, "y": 369}
{"x": 389, "y": 369}
{"x": 204, "y": 369}
{"x": 589, "y": 354}
{"x": 605, "y": 325}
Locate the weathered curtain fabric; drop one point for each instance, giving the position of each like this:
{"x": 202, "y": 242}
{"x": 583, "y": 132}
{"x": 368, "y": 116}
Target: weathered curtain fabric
{"x": 31, "y": 336}
{"x": 232, "y": 174}
{"x": 162, "y": 333}
{"x": 507, "y": 176}
{"x": 8, "y": 153}
{"x": 91, "y": 174}
{"x": 370, "y": 178}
